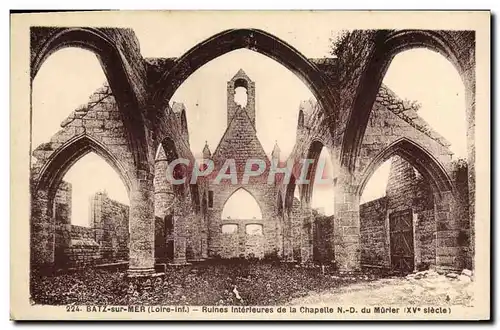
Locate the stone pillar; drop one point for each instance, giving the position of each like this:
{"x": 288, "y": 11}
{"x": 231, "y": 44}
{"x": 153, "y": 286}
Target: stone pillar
{"x": 142, "y": 227}
{"x": 181, "y": 230}
{"x": 196, "y": 240}
{"x": 417, "y": 245}
{"x": 42, "y": 232}
{"x": 179, "y": 251}
{"x": 279, "y": 234}
{"x": 306, "y": 249}
{"x": 287, "y": 239}
{"x": 162, "y": 188}
{"x": 449, "y": 254}
{"x": 204, "y": 246}
{"x": 470, "y": 99}
{"x": 346, "y": 237}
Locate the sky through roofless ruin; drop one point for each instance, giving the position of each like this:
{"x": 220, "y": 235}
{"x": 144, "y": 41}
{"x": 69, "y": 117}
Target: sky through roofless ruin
{"x": 67, "y": 79}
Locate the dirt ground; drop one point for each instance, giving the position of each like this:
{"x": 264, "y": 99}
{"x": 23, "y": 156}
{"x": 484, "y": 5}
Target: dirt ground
{"x": 248, "y": 283}
{"x": 423, "y": 288}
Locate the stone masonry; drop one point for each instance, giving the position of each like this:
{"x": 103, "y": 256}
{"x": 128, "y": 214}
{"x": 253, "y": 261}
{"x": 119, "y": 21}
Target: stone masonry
{"x": 359, "y": 121}
{"x": 105, "y": 241}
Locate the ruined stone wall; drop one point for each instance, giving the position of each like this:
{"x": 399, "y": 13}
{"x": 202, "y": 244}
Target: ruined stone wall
{"x": 264, "y": 196}
{"x": 302, "y": 231}
{"x": 425, "y": 222}
{"x": 240, "y": 143}
{"x": 400, "y": 189}
{"x": 104, "y": 241}
{"x": 312, "y": 127}
{"x": 392, "y": 119}
{"x": 373, "y": 234}
{"x": 462, "y": 193}
{"x": 240, "y": 243}
{"x": 312, "y": 135}
{"x": 62, "y": 214}
{"x": 406, "y": 190}
{"x": 353, "y": 52}
{"x": 110, "y": 221}
{"x": 322, "y": 239}
{"x": 99, "y": 120}
{"x": 75, "y": 246}
{"x": 83, "y": 250}
{"x": 181, "y": 202}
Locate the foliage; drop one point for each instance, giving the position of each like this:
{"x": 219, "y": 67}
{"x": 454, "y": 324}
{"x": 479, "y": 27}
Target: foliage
{"x": 258, "y": 283}
{"x": 338, "y": 42}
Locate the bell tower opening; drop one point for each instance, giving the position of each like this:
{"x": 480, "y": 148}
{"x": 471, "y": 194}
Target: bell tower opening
{"x": 240, "y": 96}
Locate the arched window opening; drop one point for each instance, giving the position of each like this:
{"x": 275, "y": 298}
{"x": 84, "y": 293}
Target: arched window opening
{"x": 254, "y": 229}
{"x": 229, "y": 229}
{"x": 241, "y": 96}
{"x": 92, "y": 190}
{"x": 322, "y": 197}
{"x": 241, "y": 205}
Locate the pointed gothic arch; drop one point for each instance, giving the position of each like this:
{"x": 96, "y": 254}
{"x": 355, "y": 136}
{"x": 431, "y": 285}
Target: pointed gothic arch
{"x": 418, "y": 157}
{"x": 116, "y": 68}
{"x": 232, "y": 208}
{"x": 62, "y": 159}
{"x": 453, "y": 45}
{"x": 253, "y": 39}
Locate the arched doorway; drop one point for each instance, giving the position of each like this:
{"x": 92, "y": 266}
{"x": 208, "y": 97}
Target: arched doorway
{"x": 51, "y": 220}
{"x": 242, "y": 229}
{"x": 404, "y": 227}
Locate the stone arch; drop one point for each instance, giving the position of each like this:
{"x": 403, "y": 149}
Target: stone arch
{"x": 45, "y": 186}
{"x": 313, "y": 152}
{"x": 452, "y": 45}
{"x": 418, "y": 157}
{"x": 301, "y": 119}
{"x": 62, "y": 159}
{"x": 445, "y": 223}
{"x": 114, "y": 68}
{"x": 241, "y": 82}
{"x": 289, "y": 194}
{"x": 252, "y": 39}
{"x": 248, "y": 194}
{"x": 171, "y": 154}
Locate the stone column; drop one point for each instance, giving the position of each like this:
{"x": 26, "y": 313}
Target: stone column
{"x": 42, "y": 232}
{"x": 179, "y": 251}
{"x": 288, "y": 240}
{"x": 471, "y": 159}
{"x": 195, "y": 235}
{"x": 449, "y": 254}
{"x": 204, "y": 246}
{"x": 181, "y": 231}
{"x": 306, "y": 249}
{"x": 279, "y": 234}
{"x": 346, "y": 237}
{"x": 142, "y": 227}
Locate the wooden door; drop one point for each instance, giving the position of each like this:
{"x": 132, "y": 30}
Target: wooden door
{"x": 401, "y": 241}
